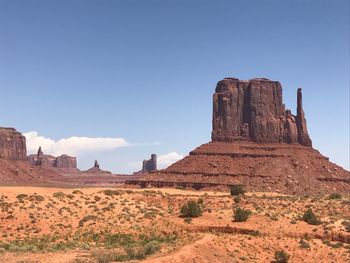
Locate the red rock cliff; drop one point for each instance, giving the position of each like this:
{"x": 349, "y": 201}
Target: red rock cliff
{"x": 12, "y": 144}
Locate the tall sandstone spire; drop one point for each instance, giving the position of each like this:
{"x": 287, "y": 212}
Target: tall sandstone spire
{"x": 253, "y": 110}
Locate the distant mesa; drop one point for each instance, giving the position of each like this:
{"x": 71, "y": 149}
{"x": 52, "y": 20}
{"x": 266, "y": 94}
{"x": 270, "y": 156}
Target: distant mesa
{"x": 256, "y": 142}
{"x": 63, "y": 161}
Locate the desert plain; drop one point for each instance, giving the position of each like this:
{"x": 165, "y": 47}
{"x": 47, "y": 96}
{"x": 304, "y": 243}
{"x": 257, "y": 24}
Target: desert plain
{"x": 43, "y": 224}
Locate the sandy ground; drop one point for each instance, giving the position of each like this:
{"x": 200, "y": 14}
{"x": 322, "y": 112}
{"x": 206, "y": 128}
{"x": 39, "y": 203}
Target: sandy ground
{"x": 70, "y": 214}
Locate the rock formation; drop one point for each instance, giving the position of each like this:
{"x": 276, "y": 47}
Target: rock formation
{"x": 66, "y": 161}
{"x": 150, "y": 165}
{"x": 96, "y": 169}
{"x": 253, "y": 110}
{"x": 255, "y": 142}
{"x": 12, "y": 144}
{"x": 43, "y": 160}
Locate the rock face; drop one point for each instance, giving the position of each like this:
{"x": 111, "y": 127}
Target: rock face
{"x": 150, "y": 165}
{"x": 66, "y": 161}
{"x": 63, "y": 161}
{"x": 253, "y": 110}
{"x": 12, "y": 144}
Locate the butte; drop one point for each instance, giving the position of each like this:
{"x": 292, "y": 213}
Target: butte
{"x": 256, "y": 142}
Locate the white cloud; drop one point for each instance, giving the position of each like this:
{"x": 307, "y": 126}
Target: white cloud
{"x": 72, "y": 145}
{"x": 165, "y": 160}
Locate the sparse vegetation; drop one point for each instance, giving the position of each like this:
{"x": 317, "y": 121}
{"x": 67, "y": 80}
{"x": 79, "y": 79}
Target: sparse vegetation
{"x": 335, "y": 196}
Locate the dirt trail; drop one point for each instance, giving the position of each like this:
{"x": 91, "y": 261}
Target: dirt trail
{"x": 200, "y": 251}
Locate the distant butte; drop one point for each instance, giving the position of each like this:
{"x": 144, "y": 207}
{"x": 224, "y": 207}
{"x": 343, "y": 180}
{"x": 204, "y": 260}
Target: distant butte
{"x": 256, "y": 142}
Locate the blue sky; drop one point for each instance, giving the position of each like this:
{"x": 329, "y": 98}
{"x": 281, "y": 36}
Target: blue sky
{"x": 145, "y": 71}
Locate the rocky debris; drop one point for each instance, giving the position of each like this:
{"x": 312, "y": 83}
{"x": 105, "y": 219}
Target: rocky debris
{"x": 257, "y": 143}
{"x": 150, "y": 165}
{"x": 63, "y": 161}
{"x": 253, "y": 110}
{"x": 12, "y": 144}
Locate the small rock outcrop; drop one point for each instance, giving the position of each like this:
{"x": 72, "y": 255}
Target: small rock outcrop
{"x": 96, "y": 169}
{"x": 150, "y": 165}
{"x": 63, "y": 161}
{"x": 253, "y": 110}
{"x": 12, "y": 145}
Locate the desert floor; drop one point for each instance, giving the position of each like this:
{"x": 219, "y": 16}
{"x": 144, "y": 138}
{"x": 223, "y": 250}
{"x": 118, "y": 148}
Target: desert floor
{"x": 110, "y": 224}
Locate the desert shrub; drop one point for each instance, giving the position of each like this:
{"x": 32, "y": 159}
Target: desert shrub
{"x": 200, "y": 201}
{"x": 36, "y": 198}
{"x": 241, "y": 215}
{"x": 303, "y": 244}
{"x": 75, "y": 192}
{"x": 335, "y": 196}
{"x": 237, "y": 199}
{"x": 109, "y": 256}
{"x": 21, "y": 197}
{"x": 191, "y": 209}
{"x": 310, "y": 218}
{"x": 188, "y": 220}
{"x": 281, "y": 256}
{"x": 151, "y": 247}
{"x": 58, "y": 195}
{"x": 237, "y": 189}
{"x": 110, "y": 192}
{"x": 346, "y": 225}
{"x": 85, "y": 219}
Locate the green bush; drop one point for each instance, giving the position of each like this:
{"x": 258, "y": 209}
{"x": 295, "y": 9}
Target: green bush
{"x": 310, "y": 218}
{"x": 191, "y": 209}
{"x": 241, "y": 215}
{"x": 281, "y": 257}
{"x": 237, "y": 189}
{"x": 335, "y": 196}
